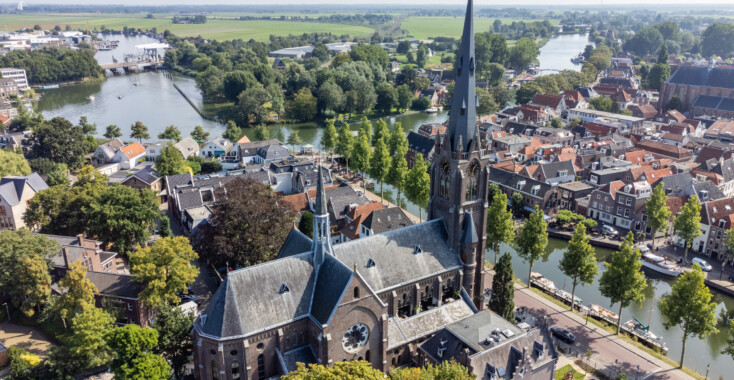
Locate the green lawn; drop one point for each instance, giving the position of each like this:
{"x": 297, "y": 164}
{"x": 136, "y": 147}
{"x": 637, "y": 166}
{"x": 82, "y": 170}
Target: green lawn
{"x": 423, "y": 27}
{"x": 218, "y": 29}
{"x": 561, "y": 372}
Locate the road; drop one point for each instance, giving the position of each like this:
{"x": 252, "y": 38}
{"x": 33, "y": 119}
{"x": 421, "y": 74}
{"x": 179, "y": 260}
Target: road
{"x": 605, "y": 346}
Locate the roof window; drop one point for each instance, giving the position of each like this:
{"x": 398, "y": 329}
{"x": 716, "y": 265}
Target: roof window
{"x": 283, "y": 289}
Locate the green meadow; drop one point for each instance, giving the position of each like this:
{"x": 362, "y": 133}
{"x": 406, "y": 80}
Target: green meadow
{"x": 423, "y": 27}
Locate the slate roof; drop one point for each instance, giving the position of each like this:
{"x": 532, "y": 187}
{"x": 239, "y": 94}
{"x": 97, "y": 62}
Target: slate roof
{"x": 340, "y": 198}
{"x": 420, "y": 143}
{"x": 273, "y": 152}
{"x": 250, "y": 299}
{"x": 148, "y": 175}
{"x": 511, "y": 180}
{"x": 703, "y": 76}
{"x": 551, "y": 171}
{"x": 387, "y": 219}
{"x": 401, "y": 331}
{"x": 395, "y": 257}
{"x": 120, "y": 285}
{"x": 303, "y": 355}
{"x": 296, "y": 242}
{"x": 12, "y": 187}
{"x": 333, "y": 278}
{"x": 173, "y": 181}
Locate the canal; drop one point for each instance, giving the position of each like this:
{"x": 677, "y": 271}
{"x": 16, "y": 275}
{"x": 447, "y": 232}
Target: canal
{"x": 556, "y": 54}
{"x": 699, "y": 353}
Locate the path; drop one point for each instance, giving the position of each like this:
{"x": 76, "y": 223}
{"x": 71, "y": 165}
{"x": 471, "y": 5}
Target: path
{"x": 605, "y": 346}
{"x": 28, "y": 338}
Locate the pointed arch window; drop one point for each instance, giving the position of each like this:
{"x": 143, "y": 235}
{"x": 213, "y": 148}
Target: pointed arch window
{"x": 444, "y": 183}
{"x": 235, "y": 369}
{"x": 472, "y": 182}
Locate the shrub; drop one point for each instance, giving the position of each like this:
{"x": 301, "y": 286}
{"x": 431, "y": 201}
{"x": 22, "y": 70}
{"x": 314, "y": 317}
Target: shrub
{"x": 210, "y": 167}
{"x": 22, "y": 363}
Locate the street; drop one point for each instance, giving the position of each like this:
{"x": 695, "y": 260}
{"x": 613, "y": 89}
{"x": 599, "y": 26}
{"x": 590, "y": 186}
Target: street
{"x": 610, "y": 352}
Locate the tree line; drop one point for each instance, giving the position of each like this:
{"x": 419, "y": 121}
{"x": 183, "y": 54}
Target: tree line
{"x": 54, "y": 64}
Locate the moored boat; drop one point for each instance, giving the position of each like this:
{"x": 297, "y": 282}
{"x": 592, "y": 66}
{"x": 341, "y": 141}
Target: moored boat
{"x": 48, "y": 86}
{"x": 606, "y": 313}
{"x": 660, "y": 264}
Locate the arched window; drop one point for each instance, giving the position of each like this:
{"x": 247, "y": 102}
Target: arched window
{"x": 260, "y": 366}
{"x": 367, "y": 355}
{"x": 444, "y": 183}
{"x": 472, "y": 182}
{"x": 235, "y": 369}
{"x": 356, "y": 292}
{"x": 215, "y": 370}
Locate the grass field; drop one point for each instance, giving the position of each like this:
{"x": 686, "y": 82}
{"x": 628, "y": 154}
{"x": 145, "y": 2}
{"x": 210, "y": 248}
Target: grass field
{"x": 426, "y": 27}
{"x": 560, "y": 373}
{"x": 214, "y": 29}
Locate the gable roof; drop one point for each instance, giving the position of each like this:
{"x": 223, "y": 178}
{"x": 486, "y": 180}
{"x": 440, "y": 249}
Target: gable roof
{"x": 120, "y": 285}
{"x": 301, "y": 201}
{"x": 663, "y": 149}
{"x": 12, "y": 187}
{"x": 420, "y": 143}
{"x": 133, "y": 150}
{"x": 547, "y": 100}
{"x": 296, "y": 242}
{"x": 719, "y": 77}
{"x": 387, "y": 219}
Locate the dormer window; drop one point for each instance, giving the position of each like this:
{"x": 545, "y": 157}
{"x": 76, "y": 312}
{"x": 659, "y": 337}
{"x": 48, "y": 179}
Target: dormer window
{"x": 520, "y": 184}
{"x": 283, "y": 289}
{"x": 417, "y": 249}
{"x": 370, "y": 263}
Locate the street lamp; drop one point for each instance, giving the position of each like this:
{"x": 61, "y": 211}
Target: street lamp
{"x": 7, "y": 310}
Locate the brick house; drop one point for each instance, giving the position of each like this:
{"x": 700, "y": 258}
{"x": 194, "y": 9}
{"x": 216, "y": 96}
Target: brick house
{"x": 118, "y": 294}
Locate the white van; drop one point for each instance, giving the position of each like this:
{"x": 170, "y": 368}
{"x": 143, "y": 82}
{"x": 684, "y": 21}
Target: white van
{"x": 705, "y": 266}
{"x": 609, "y": 230}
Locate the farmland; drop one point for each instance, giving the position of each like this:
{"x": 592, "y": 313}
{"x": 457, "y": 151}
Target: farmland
{"x": 421, "y": 27}
{"x": 217, "y": 29}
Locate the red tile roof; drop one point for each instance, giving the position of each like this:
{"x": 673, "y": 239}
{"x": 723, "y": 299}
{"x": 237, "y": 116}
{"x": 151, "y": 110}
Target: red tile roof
{"x": 547, "y": 100}
{"x": 358, "y": 215}
{"x": 300, "y": 201}
{"x": 133, "y": 150}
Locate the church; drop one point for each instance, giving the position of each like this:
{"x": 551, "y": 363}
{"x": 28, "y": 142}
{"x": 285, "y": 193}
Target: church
{"x": 377, "y": 298}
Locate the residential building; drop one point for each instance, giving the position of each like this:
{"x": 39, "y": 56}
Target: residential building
{"x": 218, "y": 147}
{"x": 556, "y": 104}
{"x": 662, "y": 150}
{"x": 9, "y": 87}
{"x": 718, "y": 216}
{"x": 384, "y": 219}
{"x": 621, "y": 205}
{"x": 105, "y": 153}
{"x": 262, "y": 152}
{"x": 130, "y": 155}
{"x": 573, "y": 194}
{"x": 646, "y": 111}
{"x": 355, "y": 217}
{"x": 534, "y": 192}
{"x": 16, "y": 193}
{"x": 554, "y": 136}
{"x": 146, "y": 178}
{"x": 8, "y": 111}
{"x": 419, "y": 144}
{"x": 590, "y": 115}
{"x": 188, "y": 147}
{"x": 78, "y": 249}
{"x": 17, "y": 75}
{"x": 721, "y": 129}
{"x": 120, "y": 296}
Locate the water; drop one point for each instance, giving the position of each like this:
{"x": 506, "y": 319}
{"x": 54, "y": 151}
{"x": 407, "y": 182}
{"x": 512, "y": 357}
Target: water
{"x": 699, "y": 352}
{"x": 557, "y": 53}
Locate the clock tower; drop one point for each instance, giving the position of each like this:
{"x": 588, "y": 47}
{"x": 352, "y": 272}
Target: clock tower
{"x": 460, "y": 172}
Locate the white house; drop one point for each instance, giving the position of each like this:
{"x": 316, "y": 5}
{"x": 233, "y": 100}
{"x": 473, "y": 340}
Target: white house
{"x": 105, "y": 153}
{"x": 217, "y": 148}
{"x": 153, "y": 150}
{"x": 130, "y": 155}
{"x": 188, "y": 147}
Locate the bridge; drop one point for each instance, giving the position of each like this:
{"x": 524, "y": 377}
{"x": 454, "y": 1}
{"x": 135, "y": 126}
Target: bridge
{"x": 133, "y": 65}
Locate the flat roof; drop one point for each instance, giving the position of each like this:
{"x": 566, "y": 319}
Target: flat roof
{"x": 607, "y": 114}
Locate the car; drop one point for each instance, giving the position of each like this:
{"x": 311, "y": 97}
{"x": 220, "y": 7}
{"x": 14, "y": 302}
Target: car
{"x": 188, "y": 298}
{"x": 609, "y": 230}
{"x": 563, "y": 334}
{"x": 705, "y": 266}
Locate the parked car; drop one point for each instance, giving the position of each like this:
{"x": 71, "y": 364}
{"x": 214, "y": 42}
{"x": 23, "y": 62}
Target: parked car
{"x": 705, "y": 266}
{"x": 609, "y": 230}
{"x": 563, "y": 334}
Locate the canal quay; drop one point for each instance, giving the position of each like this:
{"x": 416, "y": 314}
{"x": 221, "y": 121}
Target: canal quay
{"x": 150, "y": 97}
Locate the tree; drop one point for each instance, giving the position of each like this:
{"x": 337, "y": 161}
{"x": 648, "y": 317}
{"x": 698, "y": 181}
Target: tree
{"x": 502, "y": 96}
{"x": 59, "y": 141}
{"x": 123, "y": 216}
{"x": 170, "y": 162}
{"x": 371, "y": 54}
{"x": 421, "y": 55}
{"x": 164, "y": 225}
{"x": 174, "y": 337}
{"x": 132, "y": 346}
{"x": 87, "y": 127}
{"x": 622, "y": 281}
{"x": 381, "y": 132}
{"x": 418, "y": 185}
{"x": 557, "y": 122}
{"x": 139, "y": 131}
{"x": 674, "y": 104}
{"x": 397, "y": 139}
{"x": 523, "y": 53}
{"x": 718, "y": 39}
{"x": 381, "y": 161}
{"x": 233, "y": 132}
{"x": 164, "y": 268}
{"x": 398, "y": 169}
{"x": 304, "y": 106}
{"x": 262, "y": 133}
{"x": 345, "y": 143}
{"x": 79, "y": 293}
{"x": 448, "y": 369}
{"x": 689, "y": 306}
{"x": 235, "y": 82}
{"x": 294, "y": 139}
{"x": 658, "y": 212}
{"x": 252, "y": 104}
{"x": 500, "y": 227}
{"x": 305, "y": 224}
{"x": 503, "y": 289}
{"x": 362, "y": 155}
{"x": 23, "y": 364}
{"x": 729, "y": 348}
{"x": 532, "y": 239}
{"x": 601, "y": 103}
{"x": 24, "y": 269}
{"x": 357, "y": 369}
{"x": 645, "y": 41}
{"x": 663, "y": 56}
{"x": 330, "y": 97}
{"x": 87, "y": 341}
{"x": 112, "y": 131}
{"x": 487, "y": 104}
{"x": 421, "y": 103}
{"x": 405, "y": 96}
{"x": 387, "y": 97}
{"x": 59, "y": 176}
{"x": 210, "y": 166}
{"x": 517, "y": 203}
{"x": 579, "y": 260}
{"x": 170, "y": 133}
{"x": 13, "y": 164}
{"x": 687, "y": 224}
{"x": 329, "y": 137}
{"x": 248, "y": 225}
{"x": 659, "y": 73}
{"x": 199, "y": 134}
{"x": 403, "y": 47}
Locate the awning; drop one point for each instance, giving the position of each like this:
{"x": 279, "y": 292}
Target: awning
{"x": 532, "y": 210}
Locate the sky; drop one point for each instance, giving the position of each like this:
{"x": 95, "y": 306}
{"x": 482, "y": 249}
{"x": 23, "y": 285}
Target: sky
{"x": 398, "y": 2}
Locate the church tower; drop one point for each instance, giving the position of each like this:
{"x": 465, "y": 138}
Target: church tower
{"x": 460, "y": 171}
{"x": 321, "y": 231}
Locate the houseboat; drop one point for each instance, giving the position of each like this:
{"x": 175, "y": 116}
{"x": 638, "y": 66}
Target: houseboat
{"x": 660, "y": 264}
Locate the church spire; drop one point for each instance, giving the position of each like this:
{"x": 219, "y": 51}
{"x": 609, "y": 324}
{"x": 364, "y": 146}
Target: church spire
{"x": 320, "y": 207}
{"x": 462, "y": 121}
{"x": 321, "y": 229}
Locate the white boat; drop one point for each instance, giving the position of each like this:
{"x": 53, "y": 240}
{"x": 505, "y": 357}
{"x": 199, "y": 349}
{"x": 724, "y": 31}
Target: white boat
{"x": 660, "y": 264}
{"x": 641, "y": 329}
{"x": 91, "y": 98}
{"x": 136, "y": 83}
{"x": 49, "y": 87}
{"x": 606, "y": 313}
{"x": 431, "y": 110}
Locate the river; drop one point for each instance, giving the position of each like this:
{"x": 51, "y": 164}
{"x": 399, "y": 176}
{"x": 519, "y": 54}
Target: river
{"x": 157, "y": 104}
